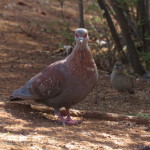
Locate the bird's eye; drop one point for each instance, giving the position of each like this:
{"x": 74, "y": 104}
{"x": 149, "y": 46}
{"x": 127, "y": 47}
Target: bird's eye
{"x": 85, "y": 35}
{"x": 76, "y": 35}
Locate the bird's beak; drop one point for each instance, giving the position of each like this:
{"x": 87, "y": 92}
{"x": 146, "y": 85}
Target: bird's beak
{"x": 80, "y": 39}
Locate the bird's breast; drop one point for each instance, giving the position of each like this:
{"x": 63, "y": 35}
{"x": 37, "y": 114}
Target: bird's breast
{"x": 83, "y": 70}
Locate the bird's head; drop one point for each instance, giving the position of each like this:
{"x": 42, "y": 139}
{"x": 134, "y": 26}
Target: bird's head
{"x": 81, "y": 35}
{"x": 118, "y": 67}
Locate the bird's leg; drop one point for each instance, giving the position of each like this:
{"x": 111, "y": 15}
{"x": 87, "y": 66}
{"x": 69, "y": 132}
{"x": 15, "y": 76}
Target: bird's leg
{"x": 68, "y": 118}
{"x": 62, "y": 119}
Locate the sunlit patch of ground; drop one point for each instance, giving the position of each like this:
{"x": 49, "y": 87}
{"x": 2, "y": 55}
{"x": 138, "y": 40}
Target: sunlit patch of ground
{"x": 30, "y": 130}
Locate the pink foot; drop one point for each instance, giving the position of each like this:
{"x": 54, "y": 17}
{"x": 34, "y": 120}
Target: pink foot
{"x": 68, "y": 119}
{"x": 62, "y": 120}
{"x": 72, "y": 122}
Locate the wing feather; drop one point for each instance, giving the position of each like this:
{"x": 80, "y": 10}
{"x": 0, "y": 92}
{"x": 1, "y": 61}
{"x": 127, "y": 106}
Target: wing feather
{"x": 48, "y": 84}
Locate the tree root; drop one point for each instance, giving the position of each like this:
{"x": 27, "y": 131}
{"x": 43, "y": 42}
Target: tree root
{"x": 75, "y": 113}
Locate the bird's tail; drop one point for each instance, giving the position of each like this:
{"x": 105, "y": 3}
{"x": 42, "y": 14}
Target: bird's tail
{"x": 19, "y": 94}
{"x": 12, "y": 98}
{"x": 16, "y": 95}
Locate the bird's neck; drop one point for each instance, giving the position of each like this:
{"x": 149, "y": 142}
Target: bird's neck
{"x": 81, "y": 46}
{"x": 81, "y": 56}
{"x": 118, "y": 73}
{"x": 81, "y": 52}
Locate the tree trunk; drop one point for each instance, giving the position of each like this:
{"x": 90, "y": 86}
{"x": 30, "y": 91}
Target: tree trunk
{"x": 113, "y": 31}
{"x": 132, "y": 23}
{"x": 149, "y": 10}
{"x": 133, "y": 55}
{"x": 81, "y": 15}
{"x": 144, "y": 26}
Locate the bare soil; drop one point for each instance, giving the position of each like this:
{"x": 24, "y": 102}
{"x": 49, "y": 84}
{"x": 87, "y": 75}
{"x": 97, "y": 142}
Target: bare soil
{"x": 30, "y": 31}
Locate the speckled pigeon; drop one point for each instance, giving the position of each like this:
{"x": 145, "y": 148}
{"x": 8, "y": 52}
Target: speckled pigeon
{"x": 121, "y": 80}
{"x": 65, "y": 82}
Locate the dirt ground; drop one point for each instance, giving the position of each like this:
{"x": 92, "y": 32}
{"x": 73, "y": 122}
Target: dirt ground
{"x": 30, "y": 31}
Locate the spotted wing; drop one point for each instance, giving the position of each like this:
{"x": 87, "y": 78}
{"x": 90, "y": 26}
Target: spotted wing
{"x": 48, "y": 84}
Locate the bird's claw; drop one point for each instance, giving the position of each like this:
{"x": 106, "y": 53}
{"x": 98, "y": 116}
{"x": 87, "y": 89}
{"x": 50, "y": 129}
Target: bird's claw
{"x": 72, "y": 122}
